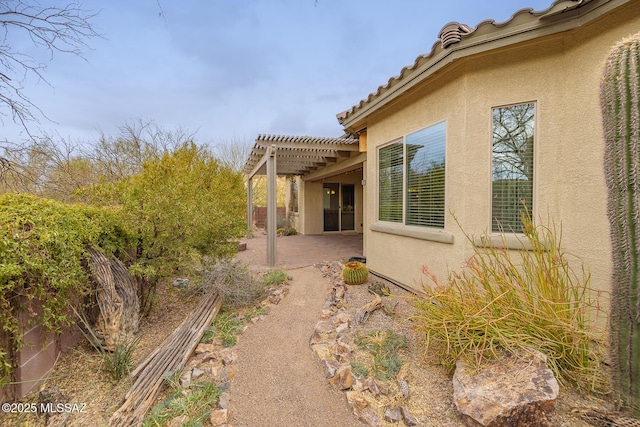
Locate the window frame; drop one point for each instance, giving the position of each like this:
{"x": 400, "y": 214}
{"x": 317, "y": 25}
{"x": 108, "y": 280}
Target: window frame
{"x": 425, "y": 232}
{"x": 509, "y": 238}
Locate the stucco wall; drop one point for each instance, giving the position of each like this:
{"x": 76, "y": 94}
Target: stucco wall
{"x": 561, "y": 74}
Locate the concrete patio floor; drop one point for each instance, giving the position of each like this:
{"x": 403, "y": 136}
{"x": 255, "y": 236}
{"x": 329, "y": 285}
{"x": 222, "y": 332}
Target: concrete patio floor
{"x": 301, "y": 251}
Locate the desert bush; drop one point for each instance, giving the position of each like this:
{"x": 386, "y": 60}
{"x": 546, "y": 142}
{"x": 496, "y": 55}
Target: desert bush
{"x": 515, "y": 300}
{"x": 42, "y": 248}
{"x": 238, "y": 285}
{"x": 183, "y": 205}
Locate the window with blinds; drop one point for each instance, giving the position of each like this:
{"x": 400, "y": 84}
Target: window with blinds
{"x": 412, "y": 179}
{"x": 390, "y": 161}
{"x": 425, "y": 177}
{"x": 512, "y": 166}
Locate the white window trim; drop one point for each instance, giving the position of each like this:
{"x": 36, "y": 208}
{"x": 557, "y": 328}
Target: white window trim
{"x": 512, "y": 237}
{"x": 509, "y": 240}
{"x": 401, "y": 229}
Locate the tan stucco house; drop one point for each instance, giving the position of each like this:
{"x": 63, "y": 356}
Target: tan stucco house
{"x": 491, "y": 117}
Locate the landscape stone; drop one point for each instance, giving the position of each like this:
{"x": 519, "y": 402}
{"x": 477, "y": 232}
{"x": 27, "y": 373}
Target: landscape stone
{"x": 343, "y": 317}
{"x": 342, "y": 352}
{"x": 205, "y": 348}
{"x": 228, "y": 356}
{"x": 196, "y": 373}
{"x": 322, "y": 351}
{"x": 343, "y": 378}
{"x": 342, "y": 328}
{"x": 330, "y": 367}
{"x": 357, "y": 401}
{"x": 320, "y": 336}
{"x": 408, "y": 419}
{"x": 219, "y": 417}
{"x": 224, "y": 400}
{"x": 507, "y": 391}
{"x": 392, "y": 415}
{"x": 370, "y": 418}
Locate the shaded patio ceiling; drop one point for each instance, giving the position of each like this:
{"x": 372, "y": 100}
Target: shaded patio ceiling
{"x": 298, "y": 155}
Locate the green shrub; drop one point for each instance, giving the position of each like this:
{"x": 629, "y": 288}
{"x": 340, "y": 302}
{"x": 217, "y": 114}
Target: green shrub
{"x": 515, "y": 300}
{"x": 42, "y": 248}
{"x": 275, "y": 277}
{"x": 183, "y": 205}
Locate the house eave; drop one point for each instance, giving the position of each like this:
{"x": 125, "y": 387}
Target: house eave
{"x": 525, "y": 25}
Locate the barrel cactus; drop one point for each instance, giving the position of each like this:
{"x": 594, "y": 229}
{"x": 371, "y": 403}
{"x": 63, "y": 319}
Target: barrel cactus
{"x": 355, "y": 273}
{"x": 620, "y": 102}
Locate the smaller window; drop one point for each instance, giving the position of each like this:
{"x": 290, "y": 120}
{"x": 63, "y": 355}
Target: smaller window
{"x": 425, "y": 177}
{"x": 512, "y": 166}
{"x": 391, "y": 159}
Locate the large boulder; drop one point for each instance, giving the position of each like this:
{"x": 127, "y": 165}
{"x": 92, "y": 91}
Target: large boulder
{"x": 508, "y": 391}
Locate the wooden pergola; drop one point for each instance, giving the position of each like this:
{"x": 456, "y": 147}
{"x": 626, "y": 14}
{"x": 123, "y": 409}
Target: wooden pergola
{"x": 274, "y": 155}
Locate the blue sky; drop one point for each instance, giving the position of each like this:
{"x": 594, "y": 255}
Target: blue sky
{"x": 231, "y": 69}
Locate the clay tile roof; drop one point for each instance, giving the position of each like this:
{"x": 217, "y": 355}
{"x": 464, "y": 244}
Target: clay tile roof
{"x": 453, "y": 34}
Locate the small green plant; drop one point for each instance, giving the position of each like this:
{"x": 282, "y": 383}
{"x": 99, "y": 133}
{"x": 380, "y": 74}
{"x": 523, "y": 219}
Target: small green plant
{"x": 355, "y": 273}
{"x": 254, "y": 312}
{"x": 195, "y": 405}
{"x": 390, "y": 307}
{"x": 275, "y": 277}
{"x": 384, "y": 346}
{"x": 516, "y": 301}
{"x": 359, "y": 369}
{"x": 380, "y": 289}
{"x": 227, "y": 326}
{"x": 117, "y": 364}
{"x": 209, "y": 334}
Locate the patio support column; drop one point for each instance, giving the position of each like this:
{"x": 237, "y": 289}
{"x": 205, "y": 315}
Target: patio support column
{"x": 271, "y": 206}
{"x": 250, "y": 204}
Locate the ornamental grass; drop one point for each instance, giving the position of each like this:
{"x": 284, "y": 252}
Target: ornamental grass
{"x": 516, "y": 301}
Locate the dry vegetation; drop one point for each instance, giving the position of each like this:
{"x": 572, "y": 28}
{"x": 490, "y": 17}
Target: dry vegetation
{"x": 431, "y": 389}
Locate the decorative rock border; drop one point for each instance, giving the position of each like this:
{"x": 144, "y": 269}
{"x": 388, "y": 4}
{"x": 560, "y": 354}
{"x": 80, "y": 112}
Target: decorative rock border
{"x": 331, "y": 342}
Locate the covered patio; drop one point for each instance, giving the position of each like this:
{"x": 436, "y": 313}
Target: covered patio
{"x": 302, "y": 251}
{"x": 314, "y": 159}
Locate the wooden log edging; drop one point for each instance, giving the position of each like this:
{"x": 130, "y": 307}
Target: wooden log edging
{"x": 171, "y": 356}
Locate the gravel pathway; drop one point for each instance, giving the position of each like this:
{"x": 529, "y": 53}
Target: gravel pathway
{"x": 279, "y": 380}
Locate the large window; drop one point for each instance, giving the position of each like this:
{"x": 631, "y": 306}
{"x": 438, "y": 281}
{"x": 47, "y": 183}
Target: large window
{"x": 512, "y": 166}
{"x": 412, "y": 177}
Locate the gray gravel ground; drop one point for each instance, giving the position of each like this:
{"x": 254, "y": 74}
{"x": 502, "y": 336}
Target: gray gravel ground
{"x": 279, "y": 380}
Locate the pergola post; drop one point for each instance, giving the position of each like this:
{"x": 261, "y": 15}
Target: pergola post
{"x": 250, "y": 204}
{"x": 271, "y": 206}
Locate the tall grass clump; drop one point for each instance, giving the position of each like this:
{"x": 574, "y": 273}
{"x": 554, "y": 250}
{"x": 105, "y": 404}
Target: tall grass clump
{"x": 515, "y": 301}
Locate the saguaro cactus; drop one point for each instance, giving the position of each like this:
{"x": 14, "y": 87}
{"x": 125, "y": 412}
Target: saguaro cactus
{"x": 620, "y": 102}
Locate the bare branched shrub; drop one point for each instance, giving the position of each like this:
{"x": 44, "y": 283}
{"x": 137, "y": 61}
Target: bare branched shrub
{"x": 238, "y": 285}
